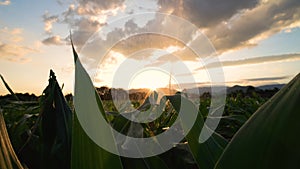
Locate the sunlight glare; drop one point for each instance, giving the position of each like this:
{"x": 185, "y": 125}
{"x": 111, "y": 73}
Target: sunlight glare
{"x": 151, "y": 79}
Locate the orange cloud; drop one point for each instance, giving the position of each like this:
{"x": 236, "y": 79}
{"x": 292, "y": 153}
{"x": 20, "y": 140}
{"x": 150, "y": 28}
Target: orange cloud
{"x": 5, "y": 2}
{"x": 10, "y": 47}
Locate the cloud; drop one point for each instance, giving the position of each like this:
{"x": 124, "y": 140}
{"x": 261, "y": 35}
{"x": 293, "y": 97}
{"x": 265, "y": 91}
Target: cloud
{"x": 11, "y": 48}
{"x": 100, "y": 5}
{"x": 84, "y": 28}
{"x": 255, "y": 60}
{"x": 236, "y": 24}
{"x": 205, "y": 13}
{"x": 53, "y": 40}
{"x": 141, "y": 42}
{"x": 14, "y": 35}
{"x": 88, "y": 16}
{"x": 49, "y": 20}
{"x": 5, "y": 2}
{"x": 81, "y": 24}
{"x": 15, "y": 53}
{"x": 267, "y": 79}
{"x": 229, "y": 25}
{"x": 251, "y": 26}
{"x": 68, "y": 69}
{"x": 133, "y": 37}
{"x": 114, "y": 58}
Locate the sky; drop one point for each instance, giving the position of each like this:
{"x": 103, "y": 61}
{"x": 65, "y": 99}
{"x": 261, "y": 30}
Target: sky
{"x": 142, "y": 43}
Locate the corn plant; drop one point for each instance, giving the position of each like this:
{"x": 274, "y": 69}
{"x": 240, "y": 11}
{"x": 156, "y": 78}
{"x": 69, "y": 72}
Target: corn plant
{"x": 56, "y": 127}
{"x": 45, "y": 126}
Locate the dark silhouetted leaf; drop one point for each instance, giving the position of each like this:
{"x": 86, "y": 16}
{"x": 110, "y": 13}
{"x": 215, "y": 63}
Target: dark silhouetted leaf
{"x": 56, "y": 127}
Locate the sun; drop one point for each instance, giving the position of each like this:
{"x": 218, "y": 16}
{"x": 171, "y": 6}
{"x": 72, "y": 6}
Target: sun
{"x": 152, "y": 88}
{"x": 150, "y": 78}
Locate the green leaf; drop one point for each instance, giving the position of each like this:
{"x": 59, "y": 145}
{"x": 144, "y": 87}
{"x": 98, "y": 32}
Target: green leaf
{"x": 206, "y": 154}
{"x": 88, "y": 155}
{"x": 85, "y": 153}
{"x": 270, "y": 138}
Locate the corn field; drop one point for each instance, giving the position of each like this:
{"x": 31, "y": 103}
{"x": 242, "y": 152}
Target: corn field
{"x": 254, "y": 133}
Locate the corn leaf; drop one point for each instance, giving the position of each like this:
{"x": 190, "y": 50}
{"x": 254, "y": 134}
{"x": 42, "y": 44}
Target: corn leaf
{"x": 133, "y": 129}
{"x": 9, "y": 89}
{"x": 8, "y": 158}
{"x": 85, "y": 153}
{"x": 56, "y": 126}
{"x": 270, "y": 138}
{"x": 205, "y": 154}
{"x": 88, "y": 155}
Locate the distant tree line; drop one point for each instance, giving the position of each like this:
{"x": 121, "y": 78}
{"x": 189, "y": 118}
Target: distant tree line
{"x": 105, "y": 93}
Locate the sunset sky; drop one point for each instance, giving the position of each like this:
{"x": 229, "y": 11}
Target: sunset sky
{"x": 257, "y": 42}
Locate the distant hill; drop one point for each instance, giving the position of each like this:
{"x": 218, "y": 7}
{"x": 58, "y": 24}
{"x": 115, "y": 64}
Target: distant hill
{"x": 271, "y": 86}
{"x": 240, "y": 88}
{"x": 244, "y": 89}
